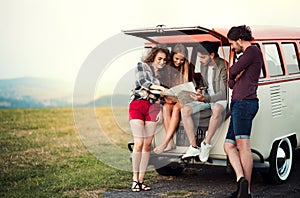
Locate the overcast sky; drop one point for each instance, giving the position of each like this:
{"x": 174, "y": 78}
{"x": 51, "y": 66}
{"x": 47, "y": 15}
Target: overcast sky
{"x": 52, "y": 38}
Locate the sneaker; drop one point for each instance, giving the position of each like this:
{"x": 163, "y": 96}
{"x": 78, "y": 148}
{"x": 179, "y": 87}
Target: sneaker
{"x": 191, "y": 152}
{"x": 205, "y": 149}
{"x": 243, "y": 188}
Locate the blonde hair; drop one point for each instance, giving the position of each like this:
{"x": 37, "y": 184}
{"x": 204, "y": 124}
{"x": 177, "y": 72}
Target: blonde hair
{"x": 182, "y": 69}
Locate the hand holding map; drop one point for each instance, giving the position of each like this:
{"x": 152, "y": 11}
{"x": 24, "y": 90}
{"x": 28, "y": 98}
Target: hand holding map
{"x": 180, "y": 93}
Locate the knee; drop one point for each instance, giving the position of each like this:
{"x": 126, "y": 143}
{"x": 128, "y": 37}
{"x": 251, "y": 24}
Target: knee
{"x": 243, "y": 145}
{"x": 166, "y": 107}
{"x": 138, "y": 147}
{"x": 228, "y": 147}
{"x": 177, "y": 108}
{"x": 147, "y": 147}
{"x": 186, "y": 111}
{"x": 218, "y": 108}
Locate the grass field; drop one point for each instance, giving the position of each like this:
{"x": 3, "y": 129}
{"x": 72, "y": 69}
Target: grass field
{"x": 42, "y": 154}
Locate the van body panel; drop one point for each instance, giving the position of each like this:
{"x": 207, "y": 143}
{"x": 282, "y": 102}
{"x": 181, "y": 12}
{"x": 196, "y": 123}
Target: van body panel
{"x": 278, "y": 115}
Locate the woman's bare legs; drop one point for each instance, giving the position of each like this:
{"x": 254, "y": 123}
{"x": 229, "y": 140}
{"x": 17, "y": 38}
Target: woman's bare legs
{"x": 172, "y": 115}
{"x": 143, "y": 134}
{"x": 150, "y": 128}
{"x": 137, "y": 127}
{"x": 167, "y": 113}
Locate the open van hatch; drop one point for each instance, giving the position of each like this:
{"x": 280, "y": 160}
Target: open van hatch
{"x": 164, "y": 35}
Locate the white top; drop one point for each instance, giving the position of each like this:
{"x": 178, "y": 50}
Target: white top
{"x": 210, "y": 88}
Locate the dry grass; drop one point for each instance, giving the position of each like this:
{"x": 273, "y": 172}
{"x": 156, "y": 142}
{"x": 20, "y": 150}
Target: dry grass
{"x": 41, "y": 154}
{"x": 115, "y": 124}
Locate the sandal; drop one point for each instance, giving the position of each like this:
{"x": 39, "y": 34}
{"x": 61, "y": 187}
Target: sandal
{"x": 135, "y": 186}
{"x": 144, "y": 187}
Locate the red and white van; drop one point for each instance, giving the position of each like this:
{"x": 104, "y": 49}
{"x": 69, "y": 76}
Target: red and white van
{"x": 276, "y": 128}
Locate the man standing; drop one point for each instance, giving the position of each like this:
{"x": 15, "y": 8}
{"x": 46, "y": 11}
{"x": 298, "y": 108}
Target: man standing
{"x": 213, "y": 71}
{"x": 243, "y": 79}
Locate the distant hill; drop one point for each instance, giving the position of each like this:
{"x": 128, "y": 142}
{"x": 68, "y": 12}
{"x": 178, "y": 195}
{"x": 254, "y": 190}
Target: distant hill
{"x": 30, "y": 92}
{"x": 118, "y": 100}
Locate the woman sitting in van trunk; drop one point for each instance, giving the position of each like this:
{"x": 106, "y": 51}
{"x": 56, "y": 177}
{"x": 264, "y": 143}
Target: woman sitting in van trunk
{"x": 176, "y": 73}
{"x": 144, "y": 112}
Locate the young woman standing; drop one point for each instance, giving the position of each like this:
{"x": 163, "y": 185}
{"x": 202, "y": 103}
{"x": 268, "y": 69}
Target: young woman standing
{"x": 144, "y": 112}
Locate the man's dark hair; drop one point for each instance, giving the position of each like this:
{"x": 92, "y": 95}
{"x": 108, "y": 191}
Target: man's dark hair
{"x": 207, "y": 47}
{"x": 240, "y": 32}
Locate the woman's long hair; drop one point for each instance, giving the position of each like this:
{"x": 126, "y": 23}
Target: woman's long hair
{"x": 183, "y": 69}
{"x": 151, "y": 55}
{"x": 149, "y": 59}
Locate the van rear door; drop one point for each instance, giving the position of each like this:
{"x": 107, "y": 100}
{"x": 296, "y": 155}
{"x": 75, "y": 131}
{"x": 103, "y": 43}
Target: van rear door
{"x": 164, "y": 35}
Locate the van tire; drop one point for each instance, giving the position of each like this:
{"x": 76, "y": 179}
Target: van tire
{"x": 172, "y": 169}
{"x": 281, "y": 161}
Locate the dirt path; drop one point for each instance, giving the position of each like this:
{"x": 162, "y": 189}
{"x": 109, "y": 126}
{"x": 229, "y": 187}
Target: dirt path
{"x": 210, "y": 181}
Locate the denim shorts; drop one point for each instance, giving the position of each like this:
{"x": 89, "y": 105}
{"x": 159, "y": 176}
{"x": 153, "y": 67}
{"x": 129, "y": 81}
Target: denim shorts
{"x": 242, "y": 115}
{"x": 198, "y": 106}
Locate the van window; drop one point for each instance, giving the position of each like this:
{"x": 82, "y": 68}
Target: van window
{"x": 273, "y": 59}
{"x": 224, "y": 53}
{"x": 290, "y": 57}
{"x": 263, "y": 70}
{"x": 190, "y": 49}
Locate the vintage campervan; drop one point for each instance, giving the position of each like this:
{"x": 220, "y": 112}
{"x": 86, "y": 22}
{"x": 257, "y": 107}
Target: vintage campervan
{"x": 276, "y": 128}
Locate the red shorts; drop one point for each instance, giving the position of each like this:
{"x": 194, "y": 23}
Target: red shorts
{"x": 143, "y": 110}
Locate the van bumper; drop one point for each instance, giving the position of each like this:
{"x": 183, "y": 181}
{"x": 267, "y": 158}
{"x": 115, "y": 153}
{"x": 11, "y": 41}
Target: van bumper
{"x": 167, "y": 158}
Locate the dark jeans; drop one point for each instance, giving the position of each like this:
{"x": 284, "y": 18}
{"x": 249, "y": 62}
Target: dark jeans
{"x": 242, "y": 115}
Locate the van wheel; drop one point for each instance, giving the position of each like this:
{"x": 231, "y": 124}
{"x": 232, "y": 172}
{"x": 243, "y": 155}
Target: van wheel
{"x": 281, "y": 161}
{"x": 172, "y": 169}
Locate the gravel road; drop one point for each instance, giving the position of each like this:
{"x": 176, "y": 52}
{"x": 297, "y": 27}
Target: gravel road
{"x": 213, "y": 181}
